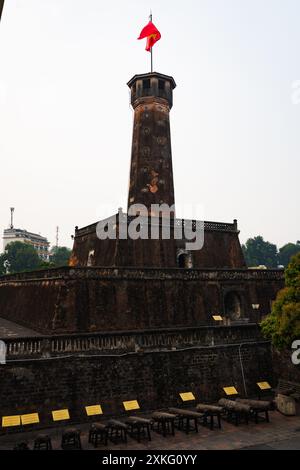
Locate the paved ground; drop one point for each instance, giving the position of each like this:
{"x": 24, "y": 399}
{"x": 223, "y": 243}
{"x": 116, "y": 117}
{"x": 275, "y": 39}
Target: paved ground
{"x": 9, "y": 329}
{"x": 281, "y": 433}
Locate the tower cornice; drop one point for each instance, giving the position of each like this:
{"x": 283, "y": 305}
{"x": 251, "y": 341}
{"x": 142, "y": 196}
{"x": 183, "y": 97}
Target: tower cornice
{"x": 151, "y": 75}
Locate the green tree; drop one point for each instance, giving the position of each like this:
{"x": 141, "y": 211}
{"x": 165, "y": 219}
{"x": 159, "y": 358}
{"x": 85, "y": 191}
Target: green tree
{"x": 287, "y": 251}
{"x": 60, "y": 256}
{"x": 259, "y": 252}
{"x": 282, "y": 326}
{"x": 2, "y": 268}
{"x": 21, "y": 257}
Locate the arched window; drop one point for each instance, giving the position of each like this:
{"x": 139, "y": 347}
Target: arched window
{"x": 181, "y": 260}
{"x": 90, "y": 260}
{"x": 184, "y": 259}
{"x": 232, "y": 304}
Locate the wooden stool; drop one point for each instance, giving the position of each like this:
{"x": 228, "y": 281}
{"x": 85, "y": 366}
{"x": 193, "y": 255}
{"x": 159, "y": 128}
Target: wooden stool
{"x": 117, "y": 430}
{"x": 71, "y": 439}
{"x": 98, "y": 434}
{"x": 23, "y": 445}
{"x": 139, "y": 427}
{"x": 258, "y": 407}
{"x": 235, "y": 412}
{"x": 42, "y": 442}
{"x": 210, "y": 411}
{"x": 163, "y": 422}
{"x": 187, "y": 420}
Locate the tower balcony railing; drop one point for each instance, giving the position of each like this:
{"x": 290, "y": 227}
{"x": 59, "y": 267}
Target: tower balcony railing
{"x": 120, "y": 342}
{"x": 208, "y": 225}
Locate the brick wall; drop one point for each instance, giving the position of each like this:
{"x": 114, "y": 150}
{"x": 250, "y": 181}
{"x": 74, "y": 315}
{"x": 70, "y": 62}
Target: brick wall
{"x": 154, "y": 378}
{"x": 283, "y": 366}
{"x": 96, "y": 299}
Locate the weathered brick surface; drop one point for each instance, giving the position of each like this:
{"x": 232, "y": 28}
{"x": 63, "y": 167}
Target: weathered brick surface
{"x": 120, "y": 285}
{"x": 154, "y": 378}
{"x": 283, "y": 366}
{"x": 221, "y": 249}
{"x": 101, "y": 299}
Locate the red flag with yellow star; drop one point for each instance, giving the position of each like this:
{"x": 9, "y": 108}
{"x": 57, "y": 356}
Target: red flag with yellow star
{"x": 151, "y": 33}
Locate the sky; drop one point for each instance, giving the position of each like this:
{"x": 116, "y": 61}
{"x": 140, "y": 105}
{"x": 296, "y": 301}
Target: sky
{"x": 66, "y": 122}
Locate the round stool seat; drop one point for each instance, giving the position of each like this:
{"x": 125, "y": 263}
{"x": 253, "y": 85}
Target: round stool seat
{"x": 98, "y": 426}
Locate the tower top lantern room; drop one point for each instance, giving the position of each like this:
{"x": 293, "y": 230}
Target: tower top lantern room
{"x": 155, "y": 85}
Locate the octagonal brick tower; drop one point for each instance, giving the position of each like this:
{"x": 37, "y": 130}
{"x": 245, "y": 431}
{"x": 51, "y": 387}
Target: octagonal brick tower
{"x": 151, "y": 182}
{"x": 151, "y": 173}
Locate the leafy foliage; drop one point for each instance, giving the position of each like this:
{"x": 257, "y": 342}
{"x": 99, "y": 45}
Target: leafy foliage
{"x": 2, "y": 268}
{"x": 21, "y": 257}
{"x": 60, "y": 256}
{"x": 287, "y": 251}
{"x": 257, "y": 252}
{"x": 282, "y": 326}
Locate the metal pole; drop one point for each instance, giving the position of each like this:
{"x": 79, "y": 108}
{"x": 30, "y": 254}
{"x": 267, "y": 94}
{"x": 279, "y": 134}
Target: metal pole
{"x": 150, "y": 18}
{"x": 242, "y": 368}
{"x": 12, "y": 217}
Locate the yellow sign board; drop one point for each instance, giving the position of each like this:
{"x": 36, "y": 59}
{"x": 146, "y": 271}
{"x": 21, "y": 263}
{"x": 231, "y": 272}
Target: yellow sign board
{"x": 264, "y": 385}
{"x": 230, "y": 390}
{"x": 93, "y": 410}
{"x": 31, "y": 418}
{"x": 11, "y": 421}
{"x": 217, "y": 317}
{"x": 59, "y": 415}
{"x": 187, "y": 396}
{"x": 131, "y": 405}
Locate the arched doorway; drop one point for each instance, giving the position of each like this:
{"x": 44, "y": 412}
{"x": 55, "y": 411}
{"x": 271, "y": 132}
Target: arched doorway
{"x": 232, "y": 305}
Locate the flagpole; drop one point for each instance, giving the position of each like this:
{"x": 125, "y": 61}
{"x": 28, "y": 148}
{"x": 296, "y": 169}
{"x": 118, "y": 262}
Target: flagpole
{"x": 150, "y": 18}
{"x": 151, "y": 60}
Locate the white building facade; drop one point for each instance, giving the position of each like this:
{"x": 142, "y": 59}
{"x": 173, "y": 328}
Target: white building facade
{"x": 39, "y": 243}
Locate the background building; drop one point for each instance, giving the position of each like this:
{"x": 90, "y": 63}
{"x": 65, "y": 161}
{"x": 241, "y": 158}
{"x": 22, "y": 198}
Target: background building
{"x": 38, "y": 242}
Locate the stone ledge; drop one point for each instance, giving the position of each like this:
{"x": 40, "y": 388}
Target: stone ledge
{"x": 73, "y": 273}
{"x": 132, "y": 341}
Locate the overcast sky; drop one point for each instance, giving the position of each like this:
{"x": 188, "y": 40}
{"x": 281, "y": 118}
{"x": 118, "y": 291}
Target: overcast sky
{"x": 66, "y": 124}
